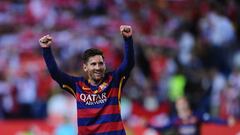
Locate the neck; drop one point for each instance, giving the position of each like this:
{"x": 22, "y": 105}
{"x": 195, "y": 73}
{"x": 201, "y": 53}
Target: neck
{"x": 94, "y": 82}
{"x": 185, "y": 114}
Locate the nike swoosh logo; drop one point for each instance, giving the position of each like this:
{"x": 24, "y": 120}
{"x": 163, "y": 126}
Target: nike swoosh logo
{"x": 86, "y": 88}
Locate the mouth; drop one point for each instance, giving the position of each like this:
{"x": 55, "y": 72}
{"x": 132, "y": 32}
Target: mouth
{"x": 98, "y": 74}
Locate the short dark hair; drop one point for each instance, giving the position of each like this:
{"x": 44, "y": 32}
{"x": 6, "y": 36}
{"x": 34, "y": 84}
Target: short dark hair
{"x": 90, "y": 53}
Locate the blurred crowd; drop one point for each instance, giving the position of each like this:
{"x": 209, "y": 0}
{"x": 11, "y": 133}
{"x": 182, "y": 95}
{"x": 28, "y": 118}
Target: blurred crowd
{"x": 183, "y": 48}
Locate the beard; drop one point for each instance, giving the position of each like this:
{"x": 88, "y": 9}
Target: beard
{"x": 97, "y": 76}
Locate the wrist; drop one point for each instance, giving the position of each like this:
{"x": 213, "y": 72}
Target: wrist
{"x": 127, "y": 37}
{"x": 45, "y": 46}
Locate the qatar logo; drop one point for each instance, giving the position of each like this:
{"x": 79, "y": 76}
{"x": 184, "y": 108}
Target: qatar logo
{"x": 93, "y": 99}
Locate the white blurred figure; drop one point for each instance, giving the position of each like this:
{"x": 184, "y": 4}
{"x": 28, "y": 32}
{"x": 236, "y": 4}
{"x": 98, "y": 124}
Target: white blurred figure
{"x": 150, "y": 131}
{"x": 234, "y": 77}
{"x": 62, "y": 114}
{"x": 26, "y": 86}
{"x": 6, "y": 100}
{"x": 126, "y": 108}
{"x": 217, "y": 29}
{"x": 218, "y": 84}
{"x": 218, "y": 34}
{"x": 66, "y": 128}
{"x": 38, "y": 9}
{"x": 230, "y": 102}
{"x": 186, "y": 43}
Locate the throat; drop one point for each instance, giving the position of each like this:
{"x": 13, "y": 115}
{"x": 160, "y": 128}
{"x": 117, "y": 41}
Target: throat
{"x": 94, "y": 82}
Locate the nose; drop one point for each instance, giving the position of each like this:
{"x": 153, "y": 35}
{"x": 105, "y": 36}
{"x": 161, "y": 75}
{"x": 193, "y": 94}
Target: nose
{"x": 98, "y": 66}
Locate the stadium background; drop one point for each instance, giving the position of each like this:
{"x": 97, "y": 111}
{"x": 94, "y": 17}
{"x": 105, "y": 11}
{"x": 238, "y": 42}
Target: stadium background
{"x": 183, "y": 47}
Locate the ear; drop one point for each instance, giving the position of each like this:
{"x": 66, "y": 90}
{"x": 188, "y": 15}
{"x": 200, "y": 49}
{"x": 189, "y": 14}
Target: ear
{"x": 85, "y": 67}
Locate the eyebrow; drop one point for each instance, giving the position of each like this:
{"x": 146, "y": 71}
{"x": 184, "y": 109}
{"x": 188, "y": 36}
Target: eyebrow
{"x": 101, "y": 62}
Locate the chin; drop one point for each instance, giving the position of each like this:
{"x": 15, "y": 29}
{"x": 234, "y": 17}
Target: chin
{"x": 98, "y": 78}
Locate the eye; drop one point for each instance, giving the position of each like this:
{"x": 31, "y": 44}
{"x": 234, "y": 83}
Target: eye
{"x": 100, "y": 63}
{"x": 93, "y": 64}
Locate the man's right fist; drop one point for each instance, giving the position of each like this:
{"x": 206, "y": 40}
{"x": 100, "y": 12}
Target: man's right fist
{"x": 45, "y": 41}
{"x": 126, "y": 30}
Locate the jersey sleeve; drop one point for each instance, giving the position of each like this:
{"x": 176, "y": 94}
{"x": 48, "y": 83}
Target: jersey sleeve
{"x": 128, "y": 59}
{"x": 65, "y": 81}
{"x": 207, "y": 118}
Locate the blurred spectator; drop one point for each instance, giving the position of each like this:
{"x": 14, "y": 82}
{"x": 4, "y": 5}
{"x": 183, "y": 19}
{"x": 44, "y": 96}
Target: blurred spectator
{"x": 218, "y": 33}
{"x": 230, "y": 103}
{"x": 26, "y": 86}
{"x": 218, "y": 83}
{"x": 188, "y": 122}
{"x": 66, "y": 128}
{"x": 61, "y": 109}
{"x": 177, "y": 86}
{"x": 6, "y": 98}
{"x": 217, "y": 29}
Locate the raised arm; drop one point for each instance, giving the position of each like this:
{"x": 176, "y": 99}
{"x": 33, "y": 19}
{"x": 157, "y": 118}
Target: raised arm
{"x": 65, "y": 81}
{"x": 128, "y": 59}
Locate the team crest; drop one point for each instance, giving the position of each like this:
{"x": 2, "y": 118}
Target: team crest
{"x": 103, "y": 86}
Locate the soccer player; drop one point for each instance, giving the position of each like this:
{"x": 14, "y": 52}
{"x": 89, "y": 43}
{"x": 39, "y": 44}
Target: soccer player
{"x": 188, "y": 122}
{"x": 98, "y": 95}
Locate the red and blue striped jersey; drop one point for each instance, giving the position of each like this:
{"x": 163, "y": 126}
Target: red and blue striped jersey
{"x": 98, "y": 107}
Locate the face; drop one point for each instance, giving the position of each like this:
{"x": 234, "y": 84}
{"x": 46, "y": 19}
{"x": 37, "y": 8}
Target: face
{"x": 95, "y": 68}
{"x": 183, "y": 108}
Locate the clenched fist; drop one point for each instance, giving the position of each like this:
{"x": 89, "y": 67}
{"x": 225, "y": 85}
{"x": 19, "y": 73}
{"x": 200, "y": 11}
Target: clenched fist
{"x": 45, "y": 41}
{"x": 126, "y": 30}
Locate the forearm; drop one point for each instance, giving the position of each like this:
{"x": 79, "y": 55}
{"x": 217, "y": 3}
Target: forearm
{"x": 50, "y": 62}
{"x": 65, "y": 81}
{"x": 128, "y": 59}
{"x": 53, "y": 69}
{"x": 216, "y": 121}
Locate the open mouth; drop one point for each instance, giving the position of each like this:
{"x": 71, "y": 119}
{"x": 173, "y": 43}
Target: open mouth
{"x": 98, "y": 73}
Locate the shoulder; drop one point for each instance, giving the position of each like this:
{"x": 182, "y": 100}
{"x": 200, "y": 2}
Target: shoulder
{"x": 81, "y": 78}
{"x": 113, "y": 74}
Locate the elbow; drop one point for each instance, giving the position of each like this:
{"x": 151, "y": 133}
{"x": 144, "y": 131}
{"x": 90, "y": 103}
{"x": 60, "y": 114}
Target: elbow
{"x": 54, "y": 77}
{"x": 53, "y": 73}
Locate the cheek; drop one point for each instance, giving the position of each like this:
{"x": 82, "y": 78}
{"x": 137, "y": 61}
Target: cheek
{"x": 104, "y": 67}
{"x": 90, "y": 70}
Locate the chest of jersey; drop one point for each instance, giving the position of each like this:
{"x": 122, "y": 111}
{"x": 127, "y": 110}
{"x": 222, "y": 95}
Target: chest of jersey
{"x": 97, "y": 96}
